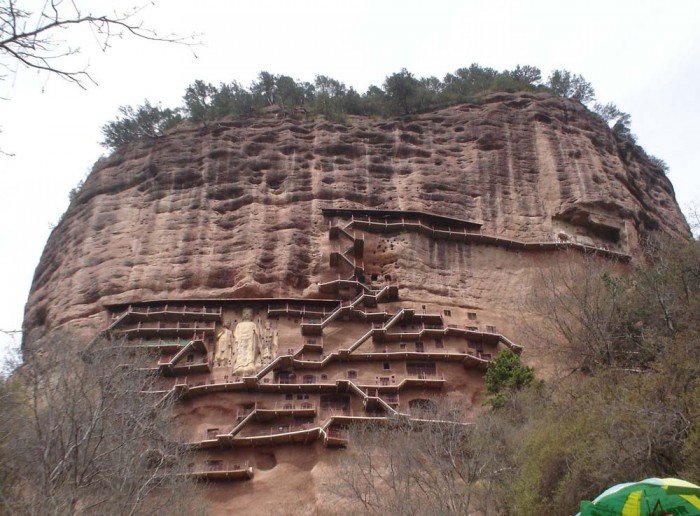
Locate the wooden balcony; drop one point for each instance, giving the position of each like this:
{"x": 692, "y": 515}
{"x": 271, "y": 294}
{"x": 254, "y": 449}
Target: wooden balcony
{"x": 432, "y": 381}
{"x": 410, "y": 332}
{"x": 285, "y": 408}
{"x": 176, "y": 329}
{"x": 296, "y": 310}
{"x": 201, "y": 366}
{"x": 188, "y": 388}
{"x": 303, "y": 433}
{"x": 312, "y": 327}
{"x": 185, "y": 361}
{"x": 458, "y": 230}
{"x": 296, "y": 386}
{"x": 335, "y": 438}
{"x": 175, "y": 312}
{"x": 382, "y": 216}
{"x": 423, "y": 379}
{"x": 161, "y": 345}
{"x": 217, "y": 470}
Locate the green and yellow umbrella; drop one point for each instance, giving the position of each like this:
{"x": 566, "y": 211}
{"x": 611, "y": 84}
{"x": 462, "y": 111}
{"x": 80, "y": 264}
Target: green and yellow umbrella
{"x": 650, "y": 497}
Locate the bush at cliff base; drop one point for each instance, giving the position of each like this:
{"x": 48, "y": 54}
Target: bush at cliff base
{"x": 650, "y": 497}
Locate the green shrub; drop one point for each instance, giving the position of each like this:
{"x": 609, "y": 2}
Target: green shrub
{"x": 146, "y": 121}
{"x": 402, "y": 93}
{"x": 506, "y": 374}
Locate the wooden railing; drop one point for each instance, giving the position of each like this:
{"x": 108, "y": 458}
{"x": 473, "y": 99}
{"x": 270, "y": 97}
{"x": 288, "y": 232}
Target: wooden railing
{"x": 175, "y": 309}
{"x": 474, "y": 235}
{"x": 222, "y": 466}
{"x": 336, "y": 433}
{"x": 425, "y": 375}
{"x": 160, "y": 326}
{"x": 278, "y": 430}
{"x": 221, "y": 470}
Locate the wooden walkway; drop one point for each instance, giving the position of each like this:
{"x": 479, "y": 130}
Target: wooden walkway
{"x": 456, "y": 230}
{"x": 379, "y": 401}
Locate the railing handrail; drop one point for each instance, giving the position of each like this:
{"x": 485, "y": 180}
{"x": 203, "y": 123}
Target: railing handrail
{"x": 216, "y": 466}
{"x": 573, "y": 243}
{"x": 280, "y": 430}
{"x": 175, "y": 309}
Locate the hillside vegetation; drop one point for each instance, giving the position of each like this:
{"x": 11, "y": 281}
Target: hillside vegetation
{"x": 402, "y": 93}
{"x": 626, "y": 407}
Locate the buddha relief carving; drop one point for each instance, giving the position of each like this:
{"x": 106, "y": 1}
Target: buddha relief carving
{"x": 245, "y": 349}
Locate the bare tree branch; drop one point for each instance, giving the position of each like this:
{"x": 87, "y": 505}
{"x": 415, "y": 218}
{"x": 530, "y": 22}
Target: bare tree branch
{"x": 76, "y": 433}
{"x": 31, "y": 40}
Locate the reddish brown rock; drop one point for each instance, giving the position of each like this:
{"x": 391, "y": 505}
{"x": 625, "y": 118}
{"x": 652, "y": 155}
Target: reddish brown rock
{"x": 235, "y": 211}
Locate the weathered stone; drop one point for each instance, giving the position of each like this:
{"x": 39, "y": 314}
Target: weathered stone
{"x": 233, "y": 213}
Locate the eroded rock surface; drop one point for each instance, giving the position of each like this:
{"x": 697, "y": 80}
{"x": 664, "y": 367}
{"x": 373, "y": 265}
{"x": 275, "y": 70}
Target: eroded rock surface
{"x": 233, "y": 209}
{"x": 228, "y": 216}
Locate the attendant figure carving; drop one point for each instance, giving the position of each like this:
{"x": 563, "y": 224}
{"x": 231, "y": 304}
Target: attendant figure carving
{"x": 224, "y": 347}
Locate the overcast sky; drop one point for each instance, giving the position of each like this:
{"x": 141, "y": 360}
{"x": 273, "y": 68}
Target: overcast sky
{"x": 643, "y": 55}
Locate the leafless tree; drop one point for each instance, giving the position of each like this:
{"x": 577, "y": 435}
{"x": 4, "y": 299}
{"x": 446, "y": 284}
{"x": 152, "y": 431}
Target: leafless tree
{"x": 633, "y": 329}
{"x": 33, "y": 39}
{"x": 78, "y": 437}
{"x": 692, "y": 211}
{"x": 581, "y": 307}
{"x": 417, "y": 466}
{"x": 11, "y": 348}
{"x": 598, "y": 314}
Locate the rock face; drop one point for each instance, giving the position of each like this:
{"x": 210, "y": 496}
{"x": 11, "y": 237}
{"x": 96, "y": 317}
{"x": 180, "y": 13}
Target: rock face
{"x": 234, "y": 209}
{"x": 448, "y": 216}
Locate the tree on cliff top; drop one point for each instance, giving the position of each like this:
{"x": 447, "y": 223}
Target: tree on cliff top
{"x": 146, "y": 121}
{"x": 402, "y": 88}
{"x": 402, "y": 93}
{"x": 570, "y": 85}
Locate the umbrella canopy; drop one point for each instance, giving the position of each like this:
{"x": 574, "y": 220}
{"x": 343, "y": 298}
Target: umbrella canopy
{"x": 650, "y": 497}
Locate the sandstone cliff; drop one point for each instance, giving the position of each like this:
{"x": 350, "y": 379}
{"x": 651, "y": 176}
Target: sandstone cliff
{"x": 233, "y": 209}
{"x": 450, "y": 217}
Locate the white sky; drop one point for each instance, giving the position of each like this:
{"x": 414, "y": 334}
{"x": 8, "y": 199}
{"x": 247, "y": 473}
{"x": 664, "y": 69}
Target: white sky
{"x": 642, "y": 55}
